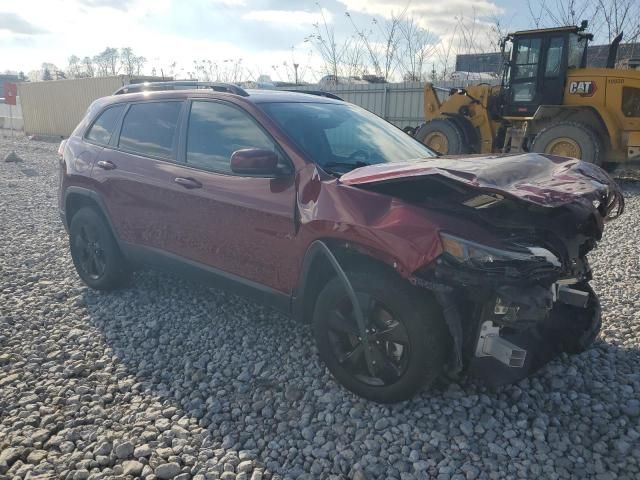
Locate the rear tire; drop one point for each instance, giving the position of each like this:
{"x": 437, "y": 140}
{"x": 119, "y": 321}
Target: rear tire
{"x": 444, "y": 136}
{"x": 94, "y": 251}
{"x": 410, "y": 342}
{"x": 570, "y": 139}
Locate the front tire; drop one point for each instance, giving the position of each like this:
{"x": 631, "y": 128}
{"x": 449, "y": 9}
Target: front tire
{"x": 94, "y": 251}
{"x": 406, "y": 334}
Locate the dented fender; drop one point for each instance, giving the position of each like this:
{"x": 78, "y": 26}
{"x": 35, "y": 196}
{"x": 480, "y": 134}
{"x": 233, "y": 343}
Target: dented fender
{"x": 401, "y": 235}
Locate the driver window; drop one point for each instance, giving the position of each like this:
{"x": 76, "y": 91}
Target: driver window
{"x": 217, "y": 130}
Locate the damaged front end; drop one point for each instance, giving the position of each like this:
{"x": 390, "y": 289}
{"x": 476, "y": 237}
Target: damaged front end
{"x": 513, "y": 277}
{"x": 510, "y": 317}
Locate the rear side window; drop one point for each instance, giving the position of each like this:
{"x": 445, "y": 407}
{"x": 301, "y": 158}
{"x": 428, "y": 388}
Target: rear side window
{"x": 216, "y": 131}
{"x": 103, "y": 128}
{"x": 150, "y": 128}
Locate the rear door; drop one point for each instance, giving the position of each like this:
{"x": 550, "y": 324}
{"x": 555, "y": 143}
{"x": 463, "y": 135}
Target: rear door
{"x": 135, "y": 173}
{"x": 86, "y": 151}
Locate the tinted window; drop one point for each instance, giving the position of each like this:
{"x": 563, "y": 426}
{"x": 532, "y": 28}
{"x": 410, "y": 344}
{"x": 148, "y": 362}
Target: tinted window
{"x": 216, "y": 131}
{"x": 102, "y": 129}
{"x": 150, "y": 128}
{"x": 554, "y": 57}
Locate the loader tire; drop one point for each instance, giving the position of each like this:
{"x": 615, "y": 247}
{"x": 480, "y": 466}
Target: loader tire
{"x": 570, "y": 139}
{"x": 444, "y": 136}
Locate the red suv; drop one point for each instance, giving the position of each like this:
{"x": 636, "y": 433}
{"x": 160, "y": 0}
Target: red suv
{"x": 409, "y": 266}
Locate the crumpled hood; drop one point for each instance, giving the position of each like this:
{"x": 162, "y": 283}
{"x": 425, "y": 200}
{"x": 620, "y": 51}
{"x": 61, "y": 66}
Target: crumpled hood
{"x": 544, "y": 180}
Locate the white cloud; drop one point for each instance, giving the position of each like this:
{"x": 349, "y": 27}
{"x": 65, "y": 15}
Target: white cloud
{"x": 437, "y": 16}
{"x": 289, "y": 18}
{"x": 230, "y": 3}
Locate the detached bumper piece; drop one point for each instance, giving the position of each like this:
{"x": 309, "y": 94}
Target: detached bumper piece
{"x": 518, "y": 335}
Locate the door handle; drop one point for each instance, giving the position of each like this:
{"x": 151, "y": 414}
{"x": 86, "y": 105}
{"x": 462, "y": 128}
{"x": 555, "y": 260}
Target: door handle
{"x": 106, "y": 165}
{"x": 187, "y": 182}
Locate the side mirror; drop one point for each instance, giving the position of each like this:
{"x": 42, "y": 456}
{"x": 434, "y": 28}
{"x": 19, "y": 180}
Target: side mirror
{"x": 254, "y": 161}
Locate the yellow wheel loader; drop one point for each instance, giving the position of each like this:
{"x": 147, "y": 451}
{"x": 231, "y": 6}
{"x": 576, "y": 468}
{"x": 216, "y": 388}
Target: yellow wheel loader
{"x": 548, "y": 102}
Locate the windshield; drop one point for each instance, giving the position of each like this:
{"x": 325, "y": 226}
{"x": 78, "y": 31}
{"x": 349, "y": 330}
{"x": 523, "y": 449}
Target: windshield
{"x": 341, "y": 137}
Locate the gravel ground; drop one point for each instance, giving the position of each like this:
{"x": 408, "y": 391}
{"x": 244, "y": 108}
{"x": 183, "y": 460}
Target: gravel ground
{"x": 168, "y": 379}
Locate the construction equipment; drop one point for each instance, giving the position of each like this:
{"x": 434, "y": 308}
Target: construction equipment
{"x": 547, "y": 102}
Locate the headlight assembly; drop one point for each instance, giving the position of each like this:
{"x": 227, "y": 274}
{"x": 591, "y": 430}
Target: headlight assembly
{"x": 472, "y": 253}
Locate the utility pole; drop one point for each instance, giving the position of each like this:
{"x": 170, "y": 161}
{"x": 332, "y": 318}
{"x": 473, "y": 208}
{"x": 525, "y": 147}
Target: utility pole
{"x": 295, "y": 67}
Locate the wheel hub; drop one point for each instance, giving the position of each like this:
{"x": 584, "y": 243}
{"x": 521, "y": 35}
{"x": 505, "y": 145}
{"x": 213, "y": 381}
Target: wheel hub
{"x": 437, "y": 141}
{"x": 564, "y": 147}
{"x": 91, "y": 254}
{"x": 377, "y": 355}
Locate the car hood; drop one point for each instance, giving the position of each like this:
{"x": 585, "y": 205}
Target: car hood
{"x": 543, "y": 180}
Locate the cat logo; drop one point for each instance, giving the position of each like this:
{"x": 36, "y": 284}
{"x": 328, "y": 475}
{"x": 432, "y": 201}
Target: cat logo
{"x": 582, "y": 88}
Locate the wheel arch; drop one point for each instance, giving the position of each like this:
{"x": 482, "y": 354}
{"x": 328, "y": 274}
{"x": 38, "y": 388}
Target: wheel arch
{"x": 547, "y": 115}
{"x": 317, "y": 270}
{"x": 76, "y": 198}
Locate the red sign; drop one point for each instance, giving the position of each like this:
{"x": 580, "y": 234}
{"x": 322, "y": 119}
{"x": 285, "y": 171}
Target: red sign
{"x": 10, "y": 93}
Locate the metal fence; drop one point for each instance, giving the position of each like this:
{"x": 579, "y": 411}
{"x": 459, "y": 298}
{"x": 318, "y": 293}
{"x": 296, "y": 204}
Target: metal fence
{"x": 400, "y": 103}
{"x": 55, "y": 107}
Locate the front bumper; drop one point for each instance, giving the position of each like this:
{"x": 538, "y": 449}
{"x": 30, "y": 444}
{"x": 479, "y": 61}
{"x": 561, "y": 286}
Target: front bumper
{"x": 530, "y": 323}
{"x": 566, "y": 328}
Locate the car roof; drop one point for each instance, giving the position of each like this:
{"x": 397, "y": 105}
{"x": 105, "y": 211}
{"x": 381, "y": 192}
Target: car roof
{"x": 253, "y": 96}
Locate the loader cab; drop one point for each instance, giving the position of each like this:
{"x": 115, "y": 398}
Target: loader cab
{"x": 537, "y": 70}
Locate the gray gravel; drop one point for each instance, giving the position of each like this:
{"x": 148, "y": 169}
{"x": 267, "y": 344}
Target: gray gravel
{"x": 172, "y": 380}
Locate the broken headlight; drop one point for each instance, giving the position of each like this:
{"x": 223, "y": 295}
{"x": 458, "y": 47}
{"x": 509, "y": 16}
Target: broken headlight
{"x": 472, "y": 253}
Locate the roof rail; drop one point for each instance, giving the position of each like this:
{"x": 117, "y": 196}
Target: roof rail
{"x": 318, "y": 93}
{"x": 181, "y": 85}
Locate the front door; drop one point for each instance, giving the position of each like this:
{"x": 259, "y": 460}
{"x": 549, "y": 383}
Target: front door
{"x": 555, "y": 71}
{"x": 524, "y": 83}
{"x": 243, "y": 225}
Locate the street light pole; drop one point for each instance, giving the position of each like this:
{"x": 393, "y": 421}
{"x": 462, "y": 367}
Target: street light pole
{"x": 295, "y": 67}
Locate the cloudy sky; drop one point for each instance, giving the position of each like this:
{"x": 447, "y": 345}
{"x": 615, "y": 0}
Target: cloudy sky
{"x": 261, "y": 32}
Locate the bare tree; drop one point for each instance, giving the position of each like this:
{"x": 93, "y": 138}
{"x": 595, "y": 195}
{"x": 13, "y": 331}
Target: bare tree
{"x": 559, "y": 13}
{"x": 324, "y": 41}
{"x": 621, "y": 16}
{"x": 107, "y": 62}
{"x": 354, "y": 59}
{"x": 87, "y": 64}
{"x": 128, "y": 60}
{"x": 382, "y": 43}
{"x": 498, "y": 30}
{"x": 74, "y": 67}
{"x": 131, "y": 63}
{"x": 418, "y": 45}
{"x": 113, "y": 58}
{"x": 537, "y": 12}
